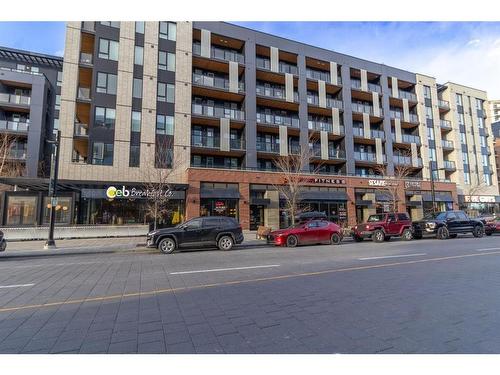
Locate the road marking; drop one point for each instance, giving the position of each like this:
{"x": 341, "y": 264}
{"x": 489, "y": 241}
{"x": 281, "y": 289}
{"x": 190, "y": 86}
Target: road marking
{"x": 393, "y": 256}
{"x": 489, "y": 249}
{"x": 238, "y": 282}
{"x": 224, "y": 269}
{"x": 15, "y": 286}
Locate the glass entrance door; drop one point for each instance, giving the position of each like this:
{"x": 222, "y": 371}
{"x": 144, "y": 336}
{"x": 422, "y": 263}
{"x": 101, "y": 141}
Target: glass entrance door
{"x": 256, "y": 216}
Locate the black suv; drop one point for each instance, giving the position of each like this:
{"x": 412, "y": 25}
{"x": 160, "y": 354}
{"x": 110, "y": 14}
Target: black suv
{"x": 447, "y": 224}
{"x": 209, "y": 231}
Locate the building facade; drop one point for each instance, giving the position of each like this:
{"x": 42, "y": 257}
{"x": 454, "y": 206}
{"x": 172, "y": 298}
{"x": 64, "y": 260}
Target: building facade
{"x": 494, "y": 110}
{"x": 215, "y": 104}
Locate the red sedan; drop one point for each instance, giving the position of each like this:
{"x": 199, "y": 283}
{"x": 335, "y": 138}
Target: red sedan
{"x": 311, "y": 232}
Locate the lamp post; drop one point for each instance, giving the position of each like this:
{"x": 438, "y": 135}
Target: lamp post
{"x": 54, "y": 166}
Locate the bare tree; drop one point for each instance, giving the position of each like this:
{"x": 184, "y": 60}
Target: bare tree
{"x": 9, "y": 167}
{"x": 474, "y": 188}
{"x": 292, "y": 168}
{"x": 391, "y": 183}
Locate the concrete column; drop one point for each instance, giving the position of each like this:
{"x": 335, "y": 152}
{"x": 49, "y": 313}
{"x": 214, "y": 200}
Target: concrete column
{"x": 304, "y": 129}
{"x": 283, "y": 140}
{"x": 322, "y": 93}
{"x": 206, "y": 45}
{"x": 367, "y": 211}
{"x": 364, "y": 80}
{"x": 376, "y": 104}
{"x": 324, "y": 145}
{"x": 333, "y": 73}
{"x": 289, "y": 87}
{"x": 233, "y": 77}
{"x": 395, "y": 90}
{"x": 274, "y": 59}
{"x": 406, "y": 111}
{"x": 397, "y": 130}
{"x": 349, "y": 138}
{"x": 272, "y": 211}
{"x": 366, "y": 126}
{"x": 416, "y": 213}
{"x": 387, "y": 123}
{"x": 224, "y": 134}
{"x": 378, "y": 150}
{"x": 414, "y": 155}
{"x": 250, "y": 105}
{"x": 335, "y": 121}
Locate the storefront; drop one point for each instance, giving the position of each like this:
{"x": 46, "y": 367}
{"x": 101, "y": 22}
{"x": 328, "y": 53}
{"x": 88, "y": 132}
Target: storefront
{"x": 479, "y": 205}
{"x": 443, "y": 201}
{"x": 219, "y": 199}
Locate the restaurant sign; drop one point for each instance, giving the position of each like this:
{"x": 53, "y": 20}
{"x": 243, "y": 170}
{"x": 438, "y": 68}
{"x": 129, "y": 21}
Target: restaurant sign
{"x": 479, "y": 199}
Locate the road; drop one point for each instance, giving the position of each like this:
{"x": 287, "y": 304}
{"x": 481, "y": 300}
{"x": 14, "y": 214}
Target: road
{"x": 424, "y": 296}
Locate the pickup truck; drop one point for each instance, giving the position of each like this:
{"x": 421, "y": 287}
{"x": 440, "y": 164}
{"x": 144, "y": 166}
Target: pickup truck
{"x": 447, "y": 224}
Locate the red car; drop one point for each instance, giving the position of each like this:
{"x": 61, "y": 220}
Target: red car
{"x": 491, "y": 224}
{"x": 310, "y": 232}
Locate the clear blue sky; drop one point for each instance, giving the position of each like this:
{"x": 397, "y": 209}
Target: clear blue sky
{"x": 462, "y": 52}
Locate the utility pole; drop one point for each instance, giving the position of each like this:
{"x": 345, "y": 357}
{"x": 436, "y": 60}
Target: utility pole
{"x": 54, "y": 166}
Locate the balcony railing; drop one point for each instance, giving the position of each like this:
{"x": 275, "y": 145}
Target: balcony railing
{"x": 367, "y": 156}
{"x": 413, "y": 118}
{"x": 83, "y": 93}
{"x": 15, "y": 99}
{"x": 17, "y": 154}
{"x": 324, "y": 126}
{"x": 323, "y": 76}
{"x": 218, "y": 82}
{"x": 77, "y": 158}
{"x": 449, "y": 165}
{"x": 408, "y": 138}
{"x": 204, "y": 141}
{"x": 88, "y": 26}
{"x": 283, "y": 67}
{"x": 445, "y": 124}
{"x": 330, "y": 102}
{"x": 356, "y": 84}
{"x": 81, "y": 130}
{"x": 360, "y": 132}
{"x": 443, "y": 104}
{"x": 364, "y": 108}
{"x": 275, "y": 92}
{"x": 14, "y": 126}
{"x": 273, "y": 148}
{"x": 407, "y": 95}
{"x": 335, "y": 154}
{"x": 294, "y": 148}
{"x": 218, "y": 112}
{"x": 220, "y": 53}
{"x": 447, "y": 144}
{"x": 264, "y": 118}
{"x": 405, "y": 160}
{"x": 236, "y": 144}
{"x": 85, "y": 58}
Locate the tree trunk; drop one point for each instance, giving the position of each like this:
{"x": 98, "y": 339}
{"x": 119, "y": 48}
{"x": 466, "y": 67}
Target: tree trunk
{"x": 156, "y": 214}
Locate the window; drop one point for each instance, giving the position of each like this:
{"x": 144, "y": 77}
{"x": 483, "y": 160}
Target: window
{"x": 115, "y": 24}
{"x": 63, "y": 210}
{"x": 164, "y": 125}
{"x": 432, "y": 154}
{"x": 136, "y": 121}
{"x": 106, "y": 83}
{"x": 480, "y": 122}
{"x": 487, "y": 179}
{"x": 467, "y": 178}
{"x": 168, "y": 30}
{"x": 461, "y": 120}
{"x": 58, "y": 102}
{"x": 166, "y": 92}
{"x": 166, "y": 61}
{"x": 139, "y": 55}
{"x": 193, "y": 224}
{"x": 403, "y": 217}
{"x": 430, "y": 133}
{"x": 482, "y": 140}
{"x": 428, "y": 112}
{"x": 139, "y": 27}
{"x": 427, "y": 92}
{"x": 465, "y": 158}
{"x": 59, "y": 78}
{"x": 137, "y": 88}
{"x": 35, "y": 69}
{"x": 55, "y": 127}
{"x": 485, "y": 160}
{"x": 135, "y": 156}
{"x": 458, "y": 99}
{"x": 461, "y": 216}
{"x": 463, "y": 138}
{"x": 108, "y": 49}
{"x": 105, "y": 117}
{"x": 102, "y": 153}
{"x": 21, "y": 67}
{"x": 21, "y": 210}
{"x": 479, "y": 104}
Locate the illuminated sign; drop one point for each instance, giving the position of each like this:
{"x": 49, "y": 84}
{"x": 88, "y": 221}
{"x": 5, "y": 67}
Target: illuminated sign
{"x": 479, "y": 199}
{"x": 113, "y": 192}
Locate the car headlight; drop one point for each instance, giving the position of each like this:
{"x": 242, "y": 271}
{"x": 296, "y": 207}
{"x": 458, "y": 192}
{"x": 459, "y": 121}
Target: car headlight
{"x": 431, "y": 225}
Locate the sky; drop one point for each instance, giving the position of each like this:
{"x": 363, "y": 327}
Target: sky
{"x": 463, "y": 52}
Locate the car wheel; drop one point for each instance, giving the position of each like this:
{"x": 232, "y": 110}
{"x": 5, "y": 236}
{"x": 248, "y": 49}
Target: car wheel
{"x": 167, "y": 246}
{"x": 225, "y": 243}
{"x": 442, "y": 233}
{"x": 453, "y": 235}
{"x": 335, "y": 239}
{"x": 407, "y": 235}
{"x": 292, "y": 241}
{"x": 357, "y": 239}
{"x": 378, "y": 235}
{"x": 478, "y": 231}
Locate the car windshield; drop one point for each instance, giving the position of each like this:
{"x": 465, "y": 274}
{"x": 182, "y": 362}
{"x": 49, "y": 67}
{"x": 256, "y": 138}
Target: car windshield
{"x": 374, "y": 218}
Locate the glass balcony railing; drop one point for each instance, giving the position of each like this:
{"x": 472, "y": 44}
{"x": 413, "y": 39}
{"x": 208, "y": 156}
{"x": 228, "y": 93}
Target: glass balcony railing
{"x": 17, "y": 154}
{"x": 356, "y": 84}
{"x": 323, "y": 126}
{"x": 220, "y": 53}
{"x": 445, "y": 124}
{"x": 204, "y": 141}
{"x": 408, "y": 138}
{"x": 405, "y": 160}
{"x": 263, "y": 63}
{"x": 81, "y": 130}
{"x": 218, "y": 82}
{"x": 407, "y": 95}
{"x": 85, "y": 58}
{"x": 294, "y": 148}
{"x": 78, "y": 158}
{"x": 323, "y": 76}
{"x": 330, "y": 102}
{"x": 447, "y": 144}
{"x": 88, "y": 26}
{"x": 334, "y": 153}
{"x": 449, "y": 165}
{"x": 218, "y": 112}
{"x": 273, "y": 148}
{"x": 367, "y": 156}
{"x": 236, "y": 144}
{"x": 413, "y": 118}
{"x": 443, "y": 103}
{"x": 275, "y": 92}
{"x": 83, "y": 93}
{"x": 264, "y": 118}
{"x": 14, "y": 126}
{"x": 364, "y": 108}
{"x": 360, "y": 132}
{"x": 15, "y": 99}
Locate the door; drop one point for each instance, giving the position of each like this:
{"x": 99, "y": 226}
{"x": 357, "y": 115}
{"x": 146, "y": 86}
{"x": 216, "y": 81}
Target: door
{"x": 210, "y": 228}
{"x": 310, "y": 233}
{"x": 392, "y": 224}
{"x": 465, "y": 223}
{"x": 324, "y": 232}
{"x": 256, "y": 216}
{"x": 453, "y": 222}
{"x": 190, "y": 233}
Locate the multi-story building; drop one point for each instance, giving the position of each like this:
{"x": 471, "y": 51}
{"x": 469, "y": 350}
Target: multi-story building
{"x": 494, "y": 108}
{"x": 216, "y": 104}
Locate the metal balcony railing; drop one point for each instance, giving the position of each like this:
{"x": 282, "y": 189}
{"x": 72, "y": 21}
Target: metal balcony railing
{"x": 408, "y": 138}
{"x": 356, "y": 84}
{"x": 405, "y": 160}
{"x": 275, "y": 92}
{"x": 218, "y": 112}
{"x": 237, "y": 144}
{"x": 220, "y": 53}
{"x": 204, "y": 141}
{"x": 14, "y": 126}
{"x": 15, "y": 99}
{"x": 323, "y": 76}
{"x": 218, "y": 82}
{"x": 443, "y": 103}
{"x": 364, "y": 108}
{"x": 413, "y": 118}
{"x": 268, "y": 147}
{"x": 365, "y": 156}
{"x": 407, "y": 95}
{"x": 447, "y": 144}
{"x": 360, "y": 132}
{"x": 445, "y": 124}
{"x": 264, "y": 118}
{"x": 448, "y": 164}
{"x": 81, "y": 130}
{"x": 330, "y": 102}
{"x": 86, "y": 58}
{"x": 263, "y": 63}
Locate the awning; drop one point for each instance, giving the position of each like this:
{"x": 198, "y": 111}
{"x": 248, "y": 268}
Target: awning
{"x": 324, "y": 195}
{"x": 414, "y": 203}
{"x": 382, "y": 197}
{"x": 260, "y": 201}
{"x": 440, "y": 197}
{"x": 220, "y": 193}
{"x": 364, "y": 203}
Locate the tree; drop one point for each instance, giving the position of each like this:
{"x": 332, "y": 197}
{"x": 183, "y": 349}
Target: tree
{"x": 391, "y": 183}
{"x": 293, "y": 167}
{"x": 471, "y": 190}
{"x": 8, "y": 166}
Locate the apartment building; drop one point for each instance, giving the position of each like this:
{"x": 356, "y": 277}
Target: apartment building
{"x": 494, "y": 110}
{"x": 215, "y": 104}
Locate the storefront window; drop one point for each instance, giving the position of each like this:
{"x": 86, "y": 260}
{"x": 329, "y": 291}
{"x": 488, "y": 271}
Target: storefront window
{"x": 21, "y": 210}
{"x": 219, "y": 207}
{"x": 63, "y": 210}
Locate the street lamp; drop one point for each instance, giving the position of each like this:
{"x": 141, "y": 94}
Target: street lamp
{"x": 54, "y": 166}
{"x": 433, "y": 192}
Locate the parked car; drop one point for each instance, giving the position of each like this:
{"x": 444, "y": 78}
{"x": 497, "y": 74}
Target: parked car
{"x": 491, "y": 224}
{"x": 447, "y": 224}
{"x": 220, "y": 231}
{"x": 381, "y": 227}
{"x": 310, "y": 232}
{"x": 3, "y": 242}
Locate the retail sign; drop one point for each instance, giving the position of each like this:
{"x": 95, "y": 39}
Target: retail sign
{"x": 382, "y": 183}
{"x": 322, "y": 180}
{"x": 413, "y": 185}
{"x": 479, "y": 199}
{"x": 113, "y": 192}
{"x": 220, "y": 207}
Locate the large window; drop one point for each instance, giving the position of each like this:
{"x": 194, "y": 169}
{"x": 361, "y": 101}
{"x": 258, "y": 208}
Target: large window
{"x": 139, "y": 27}
{"x": 21, "y": 210}
{"x": 105, "y": 117}
{"x": 430, "y": 133}
{"x": 432, "y": 154}
{"x": 168, "y": 30}
{"x": 137, "y": 88}
{"x": 427, "y": 92}
{"x": 136, "y": 121}
{"x": 487, "y": 179}
{"x": 485, "y": 160}
{"x": 166, "y": 92}
{"x": 164, "y": 125}
{"x": 102, "y": 153}
{"x": 166, "y": 61}
{"x": 62, "y": 210}
{"x": 219, "y": 207}
{"x": 467, "y": 178}
{"x": 428, "y": 112}
{"x": 115, "y": 24}
{"x": 135, "y": 156}
{"x": 458, "y": 99}
{"x": 106, "y": 83}
{"x": 465, "y": 158}
{"x": 138, "y": 55}
{"x": 108, "y": 49}
{"x": 58, "y": 102}
{"x": 59, "y": 78}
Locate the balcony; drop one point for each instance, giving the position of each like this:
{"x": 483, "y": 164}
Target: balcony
{"x": 217, "y": 112}
{"x": 412, "y": 118}
{"x": 78, "y": 158}
{"x": 330, "y": 103}
{"x": 294, "y": 148}
{"x": 323, "y": 126}
{"x": 365, "y": 108}
{"x": 17, "y": 154}
{"x": 356, "y": 84}
{"x": 407, "y": 138}
{"x": 14, "y": 126}
{"x": 275, "y": 92}
{"x": 81, "y": 130}
{"x": 220, "y": 53}
{"x": 263, "y": 118}
{"x": 449, "y": 165}
{"x": 236, "y": 144}
{"x": 406, "y": 160}
{"x": 15, "y": 99}
{"x": 263, "y": 63}
{"x": 272, "y": 148}
{"x": 217, "y": 82}
{"x": 360, "y": 132}
{"x": 320, "y": 75}
{"x": 367, "y": 156}
{"x": 447, "y": 144}
{"x": 85, "y": 58}
{"x": 335, "y": 154}
{"x": 88, "y": 26}
{"x": 204, "y": 141}
{"x": 83, "y": 93}
{"x": 407, "y": 95}
{"x": 444, "y": 104}
{"x": 445, "y": 124}
{"x": 21, "y": 71}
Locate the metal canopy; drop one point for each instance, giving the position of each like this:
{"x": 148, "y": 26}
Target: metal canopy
{"x": 31, "y": 57}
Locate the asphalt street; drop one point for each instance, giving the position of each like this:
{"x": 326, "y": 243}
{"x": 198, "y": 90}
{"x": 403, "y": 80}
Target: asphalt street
{"x": 425, "y": 296}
